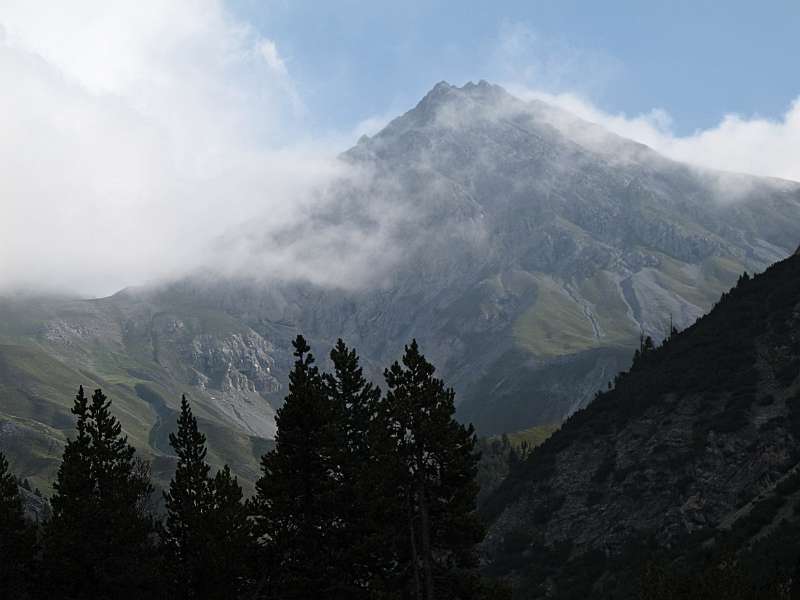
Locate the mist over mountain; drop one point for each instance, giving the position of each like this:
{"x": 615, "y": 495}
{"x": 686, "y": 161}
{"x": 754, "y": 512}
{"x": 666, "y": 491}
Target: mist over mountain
{"x": 524, "y": 248}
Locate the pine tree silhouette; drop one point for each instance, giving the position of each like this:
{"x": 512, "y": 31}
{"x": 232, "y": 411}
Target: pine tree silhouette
{"x": 17, "y": 538}
{"x": 296, "y": 496}
{"x": 360, "y": 547}
{"x": 437, "y": 466}
{"x": 99, "y": 541}
{"x": 207, "y": 540}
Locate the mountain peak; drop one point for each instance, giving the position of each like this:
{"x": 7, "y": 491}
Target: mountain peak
{"x": 445, "y": 94}
{"x": 481, "y": 86}
{"x": 437, "y": 93}
{"x": 482, "y": 89}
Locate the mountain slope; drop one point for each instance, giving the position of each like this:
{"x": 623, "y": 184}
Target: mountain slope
{"x": 697, "y": 447}
{"x": 524, "y": 248}
{"x": 585, "y": 240}
{"x": 144, "y": 357}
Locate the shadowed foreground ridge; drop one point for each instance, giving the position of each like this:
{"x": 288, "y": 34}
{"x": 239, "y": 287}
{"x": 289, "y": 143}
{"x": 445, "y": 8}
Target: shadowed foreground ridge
{"x": 695, "y": 449}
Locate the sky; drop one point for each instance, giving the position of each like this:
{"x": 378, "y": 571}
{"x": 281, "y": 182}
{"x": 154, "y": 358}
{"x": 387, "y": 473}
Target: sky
{"x": 696, "y": 59}
{"x": 133, "y": 134}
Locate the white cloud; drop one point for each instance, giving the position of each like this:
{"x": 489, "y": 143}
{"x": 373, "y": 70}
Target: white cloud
{"x": 269, "y": 51}
{"x": 133, "y": 133}
{"x": 532, "y": 66}
{"x": 753, "y": 145}
{"x": 526, "y": 57}
{"x": 370, "y": 126}
{"x": 556, "y": 72}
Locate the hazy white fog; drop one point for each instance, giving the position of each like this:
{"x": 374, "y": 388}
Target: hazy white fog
{"x": 135, "y": 136}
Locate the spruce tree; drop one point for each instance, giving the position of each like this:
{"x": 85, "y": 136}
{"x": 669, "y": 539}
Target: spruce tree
{"x": 17, "y": 538}
{"x": 296, "y": 496}
{"x": 206, "y": 535}
{"x": 98, "y": 543}
{"x": 74, "y": 505}
{"x": 231, "y": 537}
{"x": 361, "y": 554}
{"x": 436, "y": 470}
{"x": 187, "y": 502}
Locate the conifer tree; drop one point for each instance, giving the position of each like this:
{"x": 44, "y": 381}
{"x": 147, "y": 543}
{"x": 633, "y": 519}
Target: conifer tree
{"x": 231, "y": 536}
{"x": 296, "y": 496}
{"x": 187, "y": 501}
{"x": 361, "y": 554}
{"x": 98, "y": 543}
{"x": 73, "y": 504}
{"x": 17, "y": 538}
{"x": 206, "y": 535}
{"x": 437, "y": 466}
{"x": 646, "y": 347}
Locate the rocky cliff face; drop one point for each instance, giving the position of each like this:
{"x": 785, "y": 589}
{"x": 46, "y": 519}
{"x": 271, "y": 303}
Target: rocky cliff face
{"x": 524, "y": 248}
{"x": 697, "y": 438}
{"x": 234, "y": 368}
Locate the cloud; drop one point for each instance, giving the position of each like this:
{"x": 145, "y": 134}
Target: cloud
{"x": 530, "y": 59}
{"x": 269, "y": 51}
{"x": 752, "y": 145}
{"x": 370, "y": 126}
{"x": 532, "y": 66}
{"x": 132, "y": 134}
{"x": 141, "y": 140}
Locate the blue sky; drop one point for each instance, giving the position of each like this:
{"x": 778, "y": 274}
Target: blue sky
{"x": 698, "y": 60}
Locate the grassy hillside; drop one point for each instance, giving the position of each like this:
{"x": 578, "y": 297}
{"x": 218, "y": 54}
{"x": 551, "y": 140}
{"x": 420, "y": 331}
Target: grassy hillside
{"x": 533, "y": 436}
{"x": 50, "y": 347}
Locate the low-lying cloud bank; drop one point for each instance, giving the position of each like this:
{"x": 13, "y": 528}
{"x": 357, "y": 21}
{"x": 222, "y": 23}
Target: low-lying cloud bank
{"x": 133, "y": 134}
{"x": 139, "y": 141}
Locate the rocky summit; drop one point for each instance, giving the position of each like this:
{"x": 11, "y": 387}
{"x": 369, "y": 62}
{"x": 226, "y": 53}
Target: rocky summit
{"x": 526, "y": 250}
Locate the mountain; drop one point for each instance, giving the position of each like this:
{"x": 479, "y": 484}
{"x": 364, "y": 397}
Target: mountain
{"x": 583, "y": 241}
{"x": 695, "y": 451}
{"x": 527, "y": 250}
{"x": 144, "y": 357}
